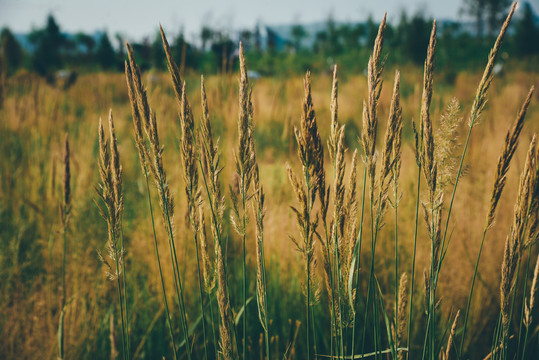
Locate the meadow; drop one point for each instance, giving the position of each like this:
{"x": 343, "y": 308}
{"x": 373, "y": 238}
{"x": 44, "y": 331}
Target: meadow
{"x": 286, "y": 256}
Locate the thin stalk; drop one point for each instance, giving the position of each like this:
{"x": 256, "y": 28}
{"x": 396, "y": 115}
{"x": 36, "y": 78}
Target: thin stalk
{"x": 124, "y": 340}
{"x": 201, "y": 299}
{"x": 124, "y": 286}
{"x": 336, "y": 264}
{"x": 307, "y": 312}
{"x": 159, "y": 265}
{"x": 313, "y": 326}
{"x": 64, "y": 292}
{"x": 333, "y": 311}
{"x": 496, "y": 337}
{"x": 309, "y": 206}
{"x": 375, "y": 222}
{"x": 396, "y": 266}
{"x": 177, "y": 279}
{"x": 369, "y": 286}
{"x": 213, "y": 326}
{"x": 426, "y": 338}
{"x": 413, "y": 261}
{"x": 244, "y": 268}
{"x": 377, "y": 334}
{"x": 218, "y": 239}
{"x": 523, "y": 300}
{"x": 506, "y": 336}
{"x": 266, "y": 328}
{"x": 358, "y": 253}
{"x": 525, "y": 341}
{"x": 471, "y": 293}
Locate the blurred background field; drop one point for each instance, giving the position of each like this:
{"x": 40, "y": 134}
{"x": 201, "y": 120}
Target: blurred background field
{"x": 39, "y": 106}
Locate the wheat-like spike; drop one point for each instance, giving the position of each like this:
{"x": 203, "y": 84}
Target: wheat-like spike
{"x": 398, "y": 135}
{"x": 394, "y": 118}
{"x": 446, "y": 139}
{"x": 110, "y": 193}
{"x": 188, "y": 149}
{"x": 529, "y": 309}
{"x": 510, "y": 145}
{"x": 208, "y": 270}
{"x": 513, "y": 243}
{"x": 391, "y": 131}
{"x": 310, "y": 153}
{"x": 480, "y": 99}
{"x": 417, "y": 144}
{"x": 334, "y": 127}
{"x": 210, "y": 156}
{"x": 533, "y": 222}
{"x": 370, "y": 119}
{"x": 401, "y": 313}
{"x": 172, "y": 68}
{"x": 310, "y": 150}
{"x": 451, "y": 338}
{"x": 437, "y": 236}
{"x": 427, "y": 290}
{"x": 352, "y": 210}
{"x": 116, "y": 168}
{"x": 137, "y": 122}
{"x": 138, "y": 89}
{"x": 259, "y": 213}
{"x": 339, "y": 186}
{"x": 244, "y": 161}
{"x": 427, "y": 153}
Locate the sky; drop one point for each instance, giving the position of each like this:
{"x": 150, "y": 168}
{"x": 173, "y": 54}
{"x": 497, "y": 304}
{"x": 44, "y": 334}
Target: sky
{"x": 137, "y": 19}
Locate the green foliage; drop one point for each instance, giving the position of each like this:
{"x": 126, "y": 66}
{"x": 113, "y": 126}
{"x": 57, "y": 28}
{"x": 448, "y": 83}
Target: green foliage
{"x": 105, "y": 54}
{"x": 48, "y": 42}
{"x": 11, "y": 50}
{"x": 527, "y": 34}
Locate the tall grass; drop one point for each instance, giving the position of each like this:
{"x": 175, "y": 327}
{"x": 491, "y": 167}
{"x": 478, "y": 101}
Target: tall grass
{"x": 336, "y": 209}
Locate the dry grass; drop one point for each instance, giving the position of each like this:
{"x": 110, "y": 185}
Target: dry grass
{"x": 30, "y": 187}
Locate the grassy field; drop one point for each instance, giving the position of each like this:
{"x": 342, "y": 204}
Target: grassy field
{"x": 35, "y": 222}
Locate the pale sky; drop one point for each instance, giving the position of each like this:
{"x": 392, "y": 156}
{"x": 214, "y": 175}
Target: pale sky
{"x": 137, "y": 19}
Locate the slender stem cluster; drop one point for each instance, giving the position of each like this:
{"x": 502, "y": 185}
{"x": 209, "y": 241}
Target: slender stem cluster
{"x": 111, "y": 195}
{"x": 151, "y": 157}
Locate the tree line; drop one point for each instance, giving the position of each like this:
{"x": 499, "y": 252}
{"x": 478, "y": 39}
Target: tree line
{"x": 346, "y": 44}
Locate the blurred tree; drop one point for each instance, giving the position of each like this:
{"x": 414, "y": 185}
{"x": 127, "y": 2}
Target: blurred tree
{"x": 477, "y": 9}
{"x": 416, "y": 38}
{"x": 493, "y": 11}
{"x": 86, "y": 41}
{"x": 320, "y": 45}
{"x": 298, "y": 33}
{"x": 222, "y": 47}
{"x": 372, "y": 31}
{"x": 157, "y": 52}
{"x": 106, "y": 57}
{"x": 334, "y": 38}
{"x": 351, "y": 35}
{"x": 527, "y": 34}
{"x": 206, "y": 35}
{"x": 48, "y": 42}
{"x": 496, "y": 13}
{"x": 12, "y": 52}
{"x": 121, "y": 45}
{"x": 246, "y": 38}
